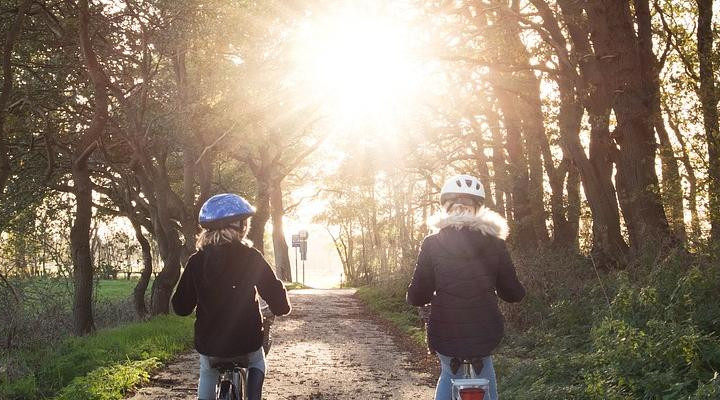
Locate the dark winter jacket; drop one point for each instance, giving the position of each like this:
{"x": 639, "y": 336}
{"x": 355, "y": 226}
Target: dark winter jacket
{"x": 461, "y": 271}
{"x": 224, "y": 282}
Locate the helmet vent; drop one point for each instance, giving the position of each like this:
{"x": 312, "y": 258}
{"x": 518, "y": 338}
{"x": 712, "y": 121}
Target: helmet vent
{"x": 477, "y": 186}
{"x": 458, "y": 183}
{"x": 468, "y": 182}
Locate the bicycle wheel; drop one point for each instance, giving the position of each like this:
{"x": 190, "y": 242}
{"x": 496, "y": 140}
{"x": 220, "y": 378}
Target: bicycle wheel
{"x": 226, "y": 391}
{"x": 239, "y": 384}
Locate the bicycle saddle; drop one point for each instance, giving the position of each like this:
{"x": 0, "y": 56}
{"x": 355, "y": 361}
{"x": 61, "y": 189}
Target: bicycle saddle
{"x": 225, "y": 363}
{"x": 476, "y": 362}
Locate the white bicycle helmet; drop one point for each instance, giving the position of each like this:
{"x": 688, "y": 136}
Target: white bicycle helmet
{"x": 462, "y": 187}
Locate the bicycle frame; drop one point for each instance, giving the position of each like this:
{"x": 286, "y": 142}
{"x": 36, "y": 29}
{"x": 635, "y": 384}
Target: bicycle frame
{"x": 232, "y": 384}
{"x": 232, "y": 380}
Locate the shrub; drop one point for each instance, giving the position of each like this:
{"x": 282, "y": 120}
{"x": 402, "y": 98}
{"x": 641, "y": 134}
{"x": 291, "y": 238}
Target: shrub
{"x": 111, "y": 382}
{"x": 651, "y": 332}
{"x": 660, "y": 340}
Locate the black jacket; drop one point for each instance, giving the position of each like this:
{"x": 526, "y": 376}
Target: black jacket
{"x": 223, "y": 282}
{"x": 461, "y": 271}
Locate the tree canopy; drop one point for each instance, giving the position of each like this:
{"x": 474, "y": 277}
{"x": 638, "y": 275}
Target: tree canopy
{"x": 592, "y": 125}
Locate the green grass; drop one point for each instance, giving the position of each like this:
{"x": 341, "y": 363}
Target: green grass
{"x": 112, "y": 290}
{"x": 118, "y": 355}
{"x": 294, "y": 285}
{"x": 110, "y": 383}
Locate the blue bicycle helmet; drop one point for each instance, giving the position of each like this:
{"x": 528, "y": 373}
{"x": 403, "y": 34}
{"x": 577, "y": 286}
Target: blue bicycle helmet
{"x": 223, "y": 209}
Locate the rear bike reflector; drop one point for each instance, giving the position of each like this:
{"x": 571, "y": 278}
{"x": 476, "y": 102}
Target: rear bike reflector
{"x": 472, "y": 394}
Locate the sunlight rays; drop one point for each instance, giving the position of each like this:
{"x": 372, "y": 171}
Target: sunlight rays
{"x": 359, "y": 65}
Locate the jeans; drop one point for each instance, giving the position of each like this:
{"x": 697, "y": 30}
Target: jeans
{"x": 444, "y": 385}
{"x": 209, "y": 376}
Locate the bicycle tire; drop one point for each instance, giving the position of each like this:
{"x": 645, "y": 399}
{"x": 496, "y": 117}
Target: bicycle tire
{"x": 226, "y": 391}
{"x": 239, "y": 382}
{"x": 242, "y": 385}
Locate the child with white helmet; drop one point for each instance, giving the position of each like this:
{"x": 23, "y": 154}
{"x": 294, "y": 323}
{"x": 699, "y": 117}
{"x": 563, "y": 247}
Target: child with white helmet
{"x": 461, "y": 271}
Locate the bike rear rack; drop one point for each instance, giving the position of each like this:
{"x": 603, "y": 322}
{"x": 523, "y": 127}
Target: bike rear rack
{"x": 470, "y": 389}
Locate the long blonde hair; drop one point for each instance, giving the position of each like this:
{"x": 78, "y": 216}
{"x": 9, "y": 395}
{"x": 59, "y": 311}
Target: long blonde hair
{"x": 461, "y": 210}
{"x": 234, "y": 232}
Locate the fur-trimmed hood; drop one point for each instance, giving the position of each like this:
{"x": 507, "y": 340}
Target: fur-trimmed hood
{"x": 486, "y": 221}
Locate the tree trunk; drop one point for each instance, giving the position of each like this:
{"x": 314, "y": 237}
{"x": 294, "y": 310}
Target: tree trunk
{"x": 709, "y": 99}
{"x": 7, "y": 86}
{"x": 574, "y": 206}
{"x": 672, "y": 192}
{"x": 616, "y": 45}
{"x": 262, "y": 213}
{"x": 82, "y": 185}
{"x": 141, "y": 287}
{"x": 189, "y": 217}
{"x": 80, "y": 246}
{"x": 498, "y": 162}
{"x": 164, "y": 211}
{"x": 379, "y": 248}
{"x": 192, "y": 167}
{"x": 671, "y": 188}
{"x": 170, "y": 247}
{"x": 690, "y": 176}
{"x": 518, "y": 99}
{"x": 566, "y": 218}
{"x": 609, "y": 247}
{"x": 481, "y": 162}
{"x": 523, "y": 230}
{"x": 280, "y": 247}
{"x": 535, "y": 138}
{"x": 165, "y": 281}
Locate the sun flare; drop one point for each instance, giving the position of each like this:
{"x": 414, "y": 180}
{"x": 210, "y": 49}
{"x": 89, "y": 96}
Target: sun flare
{"x": 358, "y": 65}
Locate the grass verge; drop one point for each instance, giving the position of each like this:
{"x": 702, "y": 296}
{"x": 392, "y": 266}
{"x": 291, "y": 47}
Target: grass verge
{"x": 295, "y": 285}
{"x": 104, "y": 365}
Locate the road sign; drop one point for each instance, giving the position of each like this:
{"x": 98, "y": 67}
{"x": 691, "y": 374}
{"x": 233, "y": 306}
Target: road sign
{"x": 303, "y": 250}
{"x": 304, "y": 235}
{"x": 296, "y": 240}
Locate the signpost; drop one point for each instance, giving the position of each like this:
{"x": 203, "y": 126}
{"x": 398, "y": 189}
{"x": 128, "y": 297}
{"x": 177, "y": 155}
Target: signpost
{"x": 296, "y": 243}
{"x": 299, "y": 241}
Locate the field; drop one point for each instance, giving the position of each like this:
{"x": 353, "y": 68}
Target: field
{"x": 116, "y": 289}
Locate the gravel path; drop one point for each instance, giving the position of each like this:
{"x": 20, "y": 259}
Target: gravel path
{"x": 328, "y": 348}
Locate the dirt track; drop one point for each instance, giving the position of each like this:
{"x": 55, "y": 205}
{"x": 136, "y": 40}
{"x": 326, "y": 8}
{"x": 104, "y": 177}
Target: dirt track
{"x": 328, "y": 348}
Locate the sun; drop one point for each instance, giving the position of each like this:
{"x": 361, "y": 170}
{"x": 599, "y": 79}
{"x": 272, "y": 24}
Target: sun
{"x": 358, "y": 65}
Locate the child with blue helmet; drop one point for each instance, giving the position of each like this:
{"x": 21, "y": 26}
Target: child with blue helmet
{"x": 223, "y": 280}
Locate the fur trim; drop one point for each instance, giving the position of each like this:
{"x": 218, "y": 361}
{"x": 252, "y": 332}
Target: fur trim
{"x": 486, "y": 221}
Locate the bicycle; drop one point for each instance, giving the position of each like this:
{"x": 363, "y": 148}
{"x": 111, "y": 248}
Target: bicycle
{"x": 469, "y": 387}
{"x": 232, "y": 380}
{"x": 233, "y": 377}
